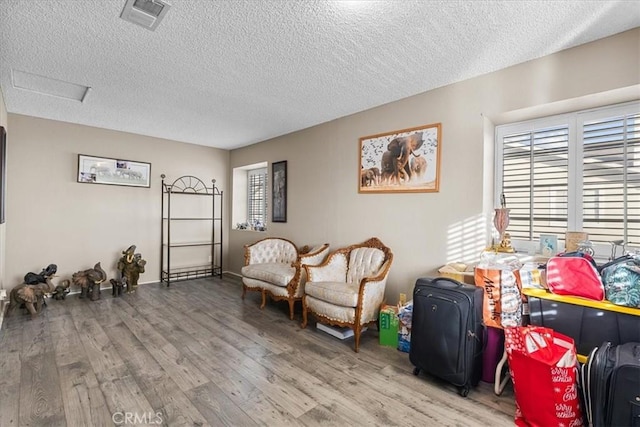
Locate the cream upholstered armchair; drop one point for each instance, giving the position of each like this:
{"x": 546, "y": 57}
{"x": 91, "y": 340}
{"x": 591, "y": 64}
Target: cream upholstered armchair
{"x": 348, "y": 288}
{"x": 274, "y": 266}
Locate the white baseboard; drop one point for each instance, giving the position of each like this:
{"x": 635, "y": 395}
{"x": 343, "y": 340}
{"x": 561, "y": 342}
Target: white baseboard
{"x": 232, "y": 273}
{"x": 3, "y": 310}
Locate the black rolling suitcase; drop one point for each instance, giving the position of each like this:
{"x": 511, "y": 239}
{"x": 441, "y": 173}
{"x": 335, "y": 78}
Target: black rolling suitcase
{"x": 611, "y": 385}
{"x": 447, "y": 331}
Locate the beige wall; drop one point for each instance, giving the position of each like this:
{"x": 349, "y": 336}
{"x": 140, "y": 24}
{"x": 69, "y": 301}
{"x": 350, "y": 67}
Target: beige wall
{"x": 426, "y": 230}
{"x": 53, "y": 219}
{"x": 3, "y": 122}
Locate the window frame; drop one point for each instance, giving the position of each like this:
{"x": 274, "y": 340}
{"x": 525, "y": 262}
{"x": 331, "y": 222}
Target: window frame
{"x": 575, "y": 167}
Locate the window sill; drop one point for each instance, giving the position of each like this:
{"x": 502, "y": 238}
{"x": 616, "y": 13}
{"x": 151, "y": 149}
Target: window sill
{"x": 248, "y": 230}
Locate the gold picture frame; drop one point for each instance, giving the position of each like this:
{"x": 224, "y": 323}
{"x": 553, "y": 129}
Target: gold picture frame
{"x": 401, "y": 161}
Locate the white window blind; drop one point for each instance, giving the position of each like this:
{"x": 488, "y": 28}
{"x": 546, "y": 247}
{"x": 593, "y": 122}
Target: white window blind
{"x": 611, "y": 178}
{"x": 573, "y": 172}
{"x": 535, "y": 181}
{"x": 257, "y": 196}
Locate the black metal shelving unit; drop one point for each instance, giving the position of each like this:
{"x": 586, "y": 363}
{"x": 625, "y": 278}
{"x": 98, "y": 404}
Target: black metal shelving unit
{"x": 187, "y": 186}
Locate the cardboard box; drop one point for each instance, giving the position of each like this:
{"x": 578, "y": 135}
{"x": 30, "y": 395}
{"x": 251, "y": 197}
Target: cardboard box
{"x": 457, "y": 271}
{"x": 389, "y": 326}
{"x": 461, "y": 276}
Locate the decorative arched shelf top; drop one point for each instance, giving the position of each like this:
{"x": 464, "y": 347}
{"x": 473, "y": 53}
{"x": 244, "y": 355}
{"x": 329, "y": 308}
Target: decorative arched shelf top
{"x": 190, "y": 184}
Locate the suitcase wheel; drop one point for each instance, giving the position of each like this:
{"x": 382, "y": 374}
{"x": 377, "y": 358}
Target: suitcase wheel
{"x": 416, "y": 371}
{"x": 464, "y": 391}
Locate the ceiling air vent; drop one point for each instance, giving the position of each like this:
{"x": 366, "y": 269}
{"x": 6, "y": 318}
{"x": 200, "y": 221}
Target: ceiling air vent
{"x": 146, "y": 13}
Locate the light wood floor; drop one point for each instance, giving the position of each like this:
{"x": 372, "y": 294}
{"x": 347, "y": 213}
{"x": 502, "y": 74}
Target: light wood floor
{"x": 197, "y": 355}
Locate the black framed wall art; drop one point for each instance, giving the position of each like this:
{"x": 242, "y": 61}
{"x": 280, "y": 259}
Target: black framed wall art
{"x": 279, "y": 191}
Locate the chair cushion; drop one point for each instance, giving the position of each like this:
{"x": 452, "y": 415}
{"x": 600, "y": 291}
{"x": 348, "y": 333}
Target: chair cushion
{"x": 364, "y": 262}
{"x": 334, "y": 312}
{"x": 338, "y": 293}
{"x": 277, "y": 273}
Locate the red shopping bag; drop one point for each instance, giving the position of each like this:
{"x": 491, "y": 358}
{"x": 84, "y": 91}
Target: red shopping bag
{"x": 543, "y": 369}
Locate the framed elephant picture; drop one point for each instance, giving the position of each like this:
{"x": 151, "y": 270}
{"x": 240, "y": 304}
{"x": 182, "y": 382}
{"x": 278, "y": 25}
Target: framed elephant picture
{"x": 402, "y": 161}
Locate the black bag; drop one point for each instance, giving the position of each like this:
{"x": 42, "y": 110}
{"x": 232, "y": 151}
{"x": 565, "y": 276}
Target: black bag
{"x": 611, "y": 385}
{"x": 447, "y": 331}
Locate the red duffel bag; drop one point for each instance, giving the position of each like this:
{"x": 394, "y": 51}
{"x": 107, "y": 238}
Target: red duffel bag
{"x": 574, "y": 274}
{"x": 543, "y": 368}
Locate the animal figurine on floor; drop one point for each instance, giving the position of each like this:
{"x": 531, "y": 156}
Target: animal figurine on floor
{"x": 34, "y": 279}
{"x": 131, "y": 265}
{"x": 32, "y": 296}
{"x": 61, "y": 290}
{"x": 117, "y": 286}
{"x": 89, "y": 282}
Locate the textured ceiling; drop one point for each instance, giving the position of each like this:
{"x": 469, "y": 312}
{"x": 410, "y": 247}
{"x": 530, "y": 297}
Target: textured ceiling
{"x": 232, "y": 73}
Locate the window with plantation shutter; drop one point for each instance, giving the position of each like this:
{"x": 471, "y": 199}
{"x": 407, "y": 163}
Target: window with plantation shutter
{"x": 573, "y": 172}
{"x": 257, "y": 196}
{"x": 611, "y": 177}
{"x": 535, "y": 181}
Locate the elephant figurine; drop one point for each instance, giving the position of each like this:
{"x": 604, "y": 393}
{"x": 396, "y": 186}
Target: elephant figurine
{"x": 89, "y": 282}
{"x": 34, "y": 279}
{"x": 31, "y": 295}
{"x": 62, "y": 290}
{"x": 131, "y": 265}
{"x": 117, "y": 286}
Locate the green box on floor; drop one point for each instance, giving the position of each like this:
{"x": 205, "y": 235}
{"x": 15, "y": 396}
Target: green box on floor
{"x": 389, "y": 326}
